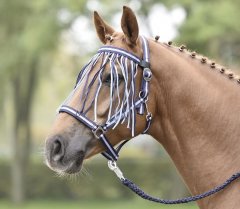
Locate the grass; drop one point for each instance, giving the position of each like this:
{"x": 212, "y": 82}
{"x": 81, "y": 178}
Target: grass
{"x": 93, "y": 204}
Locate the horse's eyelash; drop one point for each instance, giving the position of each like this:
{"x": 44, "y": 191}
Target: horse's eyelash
{"x": 108, "y": 77}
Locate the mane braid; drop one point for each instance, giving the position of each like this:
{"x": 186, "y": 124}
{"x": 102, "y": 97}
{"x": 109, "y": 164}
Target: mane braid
{"x": 204, "y": 60}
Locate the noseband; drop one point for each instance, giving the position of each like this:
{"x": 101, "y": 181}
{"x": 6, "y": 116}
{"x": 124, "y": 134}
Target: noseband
{"x": 140, "y": 106}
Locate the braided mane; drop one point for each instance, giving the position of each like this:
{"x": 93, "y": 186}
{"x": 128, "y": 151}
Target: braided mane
{"x": 204, "y": 60}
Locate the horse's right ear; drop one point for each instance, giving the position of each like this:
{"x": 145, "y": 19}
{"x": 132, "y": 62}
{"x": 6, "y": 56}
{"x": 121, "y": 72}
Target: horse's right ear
{"x": 102, "y": 28}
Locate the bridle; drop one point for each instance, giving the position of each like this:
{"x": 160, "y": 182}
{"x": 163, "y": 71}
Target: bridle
{"x": 140, "y": 105}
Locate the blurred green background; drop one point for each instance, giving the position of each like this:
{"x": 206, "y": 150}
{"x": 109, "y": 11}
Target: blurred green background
{"x": 43, "y": 45}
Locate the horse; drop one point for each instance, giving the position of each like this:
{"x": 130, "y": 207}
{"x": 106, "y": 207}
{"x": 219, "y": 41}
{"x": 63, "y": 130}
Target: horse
{"x": 193, "y": 103}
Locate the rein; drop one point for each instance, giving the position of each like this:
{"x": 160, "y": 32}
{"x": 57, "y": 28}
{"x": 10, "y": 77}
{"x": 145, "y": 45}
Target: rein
{"x": 140, "y": 106}
{"x": 132, "y": 186}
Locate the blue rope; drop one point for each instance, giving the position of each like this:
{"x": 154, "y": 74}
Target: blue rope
{"x": 143, "y": 195}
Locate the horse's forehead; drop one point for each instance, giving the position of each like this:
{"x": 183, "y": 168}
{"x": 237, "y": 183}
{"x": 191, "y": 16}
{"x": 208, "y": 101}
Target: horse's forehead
{"x": 120, "y": 42}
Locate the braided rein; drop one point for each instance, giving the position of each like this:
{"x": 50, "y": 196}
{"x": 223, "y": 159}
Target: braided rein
{"x": 132, "y": 186}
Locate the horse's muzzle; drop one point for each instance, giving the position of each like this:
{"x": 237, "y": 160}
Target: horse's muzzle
{"x": 62, "y": 159}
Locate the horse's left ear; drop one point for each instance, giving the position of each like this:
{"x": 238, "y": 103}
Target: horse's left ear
{"x": 129, "y": 25}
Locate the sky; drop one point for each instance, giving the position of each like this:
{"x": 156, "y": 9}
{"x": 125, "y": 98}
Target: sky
{"x": 81, "y": 38}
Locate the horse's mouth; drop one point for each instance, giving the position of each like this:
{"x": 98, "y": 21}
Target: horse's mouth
{"x": 67, "y": 166}
{"x": 66, "y": 155}
{"x": 74, "y": 167}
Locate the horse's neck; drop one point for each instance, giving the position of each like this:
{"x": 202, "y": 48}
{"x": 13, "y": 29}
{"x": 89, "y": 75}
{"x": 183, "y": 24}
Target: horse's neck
{"x": 197, "y": 121}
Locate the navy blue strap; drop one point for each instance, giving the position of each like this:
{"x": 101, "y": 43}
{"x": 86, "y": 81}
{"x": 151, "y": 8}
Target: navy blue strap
{"x": 120, "y": 51}
{"x": 121, "y": 145}
{"x": 118, "y": 149}
{"x": 109, "y": 124}
{"x": 147, "y": 75}
{"x": 80, "y": 117}
{"x": 111, "y": 152}
{"x": 146, "y": 196}
{"x": 145, "y": 47}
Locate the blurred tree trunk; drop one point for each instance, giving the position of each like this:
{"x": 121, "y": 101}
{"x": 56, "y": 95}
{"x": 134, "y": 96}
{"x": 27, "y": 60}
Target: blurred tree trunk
{"x": 30, "y": 32}
{"x": 24, "y": 86}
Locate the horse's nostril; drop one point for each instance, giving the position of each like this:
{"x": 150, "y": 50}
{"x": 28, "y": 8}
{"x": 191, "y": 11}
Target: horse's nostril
{"x": 57, "y": 149}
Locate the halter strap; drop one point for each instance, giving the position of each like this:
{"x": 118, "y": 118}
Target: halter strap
{"x": 145, "y": 62}
{"x": 120, "y": 51}
{"x": 140, "y": 105}
{"x": 80, "y": 117}
{"x": 98, "y": 131}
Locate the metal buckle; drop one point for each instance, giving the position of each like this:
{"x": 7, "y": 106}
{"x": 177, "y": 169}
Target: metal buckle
{"x": 149, "y": 116}
{"x": 112, "y": 165}
{"x": 143, "y": 95}
{"x": 147, "y": 74}
{"x": 98, "y": 132}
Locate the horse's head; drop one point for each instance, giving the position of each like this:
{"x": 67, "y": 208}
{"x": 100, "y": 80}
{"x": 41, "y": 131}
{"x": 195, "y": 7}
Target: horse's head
{"x": 106, "y": 90}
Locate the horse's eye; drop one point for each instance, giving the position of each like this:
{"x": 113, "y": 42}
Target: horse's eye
{"x": 108, "y": 78}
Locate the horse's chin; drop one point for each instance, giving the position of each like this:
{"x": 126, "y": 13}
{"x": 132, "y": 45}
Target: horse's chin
{"x": 72, "y": 166}
{"x": 65, "y": 155}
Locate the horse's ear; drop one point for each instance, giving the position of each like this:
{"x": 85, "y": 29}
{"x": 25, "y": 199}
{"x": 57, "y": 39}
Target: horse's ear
{"x": 129, "y": 25}
{"x": 102, "y": 28}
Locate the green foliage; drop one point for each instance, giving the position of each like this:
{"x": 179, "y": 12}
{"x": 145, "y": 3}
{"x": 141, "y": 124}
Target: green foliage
{"x": 30, "y": 37}
{"x": 212, "y": 27}
{"x": 29, "y": 32}
{"x": 94, "y": 204}
{"x": 5, "y": 189}
{"x": 157, "y": 178}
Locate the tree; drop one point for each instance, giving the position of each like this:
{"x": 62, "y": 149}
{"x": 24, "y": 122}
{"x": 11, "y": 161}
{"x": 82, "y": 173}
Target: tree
{"x": 29, "y": 33}
{"x": 212, "y": 28}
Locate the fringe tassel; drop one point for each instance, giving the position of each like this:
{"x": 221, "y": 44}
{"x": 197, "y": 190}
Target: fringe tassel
{"x": 121, "y": 104}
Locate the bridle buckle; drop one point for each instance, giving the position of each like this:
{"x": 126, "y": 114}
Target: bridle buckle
{"x": 98, "y": 131}
{"x": 149, "y": 116}
{"x": 147, "y": 74}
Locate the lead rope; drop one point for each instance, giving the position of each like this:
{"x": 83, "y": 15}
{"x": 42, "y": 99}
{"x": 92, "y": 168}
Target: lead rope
{"x": 113, "y": 166}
